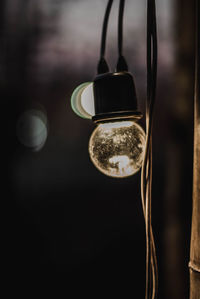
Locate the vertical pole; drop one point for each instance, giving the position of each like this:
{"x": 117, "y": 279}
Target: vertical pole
{"x": 194, "y": 264}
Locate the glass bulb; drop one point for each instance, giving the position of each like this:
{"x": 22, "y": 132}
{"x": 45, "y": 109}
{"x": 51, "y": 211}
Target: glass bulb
{"x": 117, "y": 148}
{"x": 82, "y": 100}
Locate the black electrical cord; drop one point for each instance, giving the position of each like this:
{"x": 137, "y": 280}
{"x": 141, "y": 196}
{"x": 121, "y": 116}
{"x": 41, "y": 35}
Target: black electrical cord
{"x": 197, "y": 58}
{"x": 120, "y": 26}
{"x": 146, "y": 175}
{"x": 121, "y": 63}
{"x": 102, "y": 64}
{"x": 152, "y": 73}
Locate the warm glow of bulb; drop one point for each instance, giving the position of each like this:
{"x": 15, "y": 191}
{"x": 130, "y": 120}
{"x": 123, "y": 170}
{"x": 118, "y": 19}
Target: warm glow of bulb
{"x": 117, "y": 148}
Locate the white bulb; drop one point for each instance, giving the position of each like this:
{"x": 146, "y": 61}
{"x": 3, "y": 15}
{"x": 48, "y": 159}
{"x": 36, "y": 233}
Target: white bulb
{"x": 87, "y": 100}
{"x": 82, "y": 100}
{"x": 117, "y": 148}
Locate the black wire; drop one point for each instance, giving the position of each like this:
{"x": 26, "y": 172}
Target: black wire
{"x": 102, "y": 65}
{"x": 151, "y": 111}
{"x": 120, "y": 27}
{"x": 149, "y": 54}
{"x": 151, "y": 263}
{"x": 197, "y": 59}
{"x": 121, "y": 64}
{"x": 154, "y": 61}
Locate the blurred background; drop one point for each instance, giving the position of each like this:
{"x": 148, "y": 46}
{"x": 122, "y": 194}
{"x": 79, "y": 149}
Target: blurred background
{"x": 64, "y": 220}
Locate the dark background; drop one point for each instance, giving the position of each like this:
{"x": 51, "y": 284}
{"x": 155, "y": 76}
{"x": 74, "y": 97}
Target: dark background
{"x": 64, "y": 221}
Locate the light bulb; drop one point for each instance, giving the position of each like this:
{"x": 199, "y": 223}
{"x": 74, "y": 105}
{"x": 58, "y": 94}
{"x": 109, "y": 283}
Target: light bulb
{"x": 82, "y": 100}
{"x": 117, "y": 148}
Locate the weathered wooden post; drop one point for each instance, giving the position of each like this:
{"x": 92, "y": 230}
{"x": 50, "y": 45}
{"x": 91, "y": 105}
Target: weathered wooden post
{"x": 195, "y": 232}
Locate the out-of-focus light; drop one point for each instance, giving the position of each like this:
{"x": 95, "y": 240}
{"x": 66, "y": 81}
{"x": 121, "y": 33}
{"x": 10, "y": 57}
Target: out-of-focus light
{"x": 82, "y": 100}
{"x": 32, "y": 129}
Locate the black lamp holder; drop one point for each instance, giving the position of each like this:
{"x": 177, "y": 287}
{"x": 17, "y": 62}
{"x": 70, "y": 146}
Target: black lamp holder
{"x": 115, "y": 97}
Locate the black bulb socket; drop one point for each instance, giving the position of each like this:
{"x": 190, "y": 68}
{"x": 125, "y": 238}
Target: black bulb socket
{"x": 115, "y": 97}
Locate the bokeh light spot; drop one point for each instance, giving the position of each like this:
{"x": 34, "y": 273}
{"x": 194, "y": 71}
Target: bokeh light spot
{"x": 32, "y": 129}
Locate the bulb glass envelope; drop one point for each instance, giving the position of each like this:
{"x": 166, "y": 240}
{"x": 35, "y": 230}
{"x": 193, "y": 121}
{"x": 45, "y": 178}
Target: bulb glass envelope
{"x": 117, "y": 148}
{"x": 82, "y": 100}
